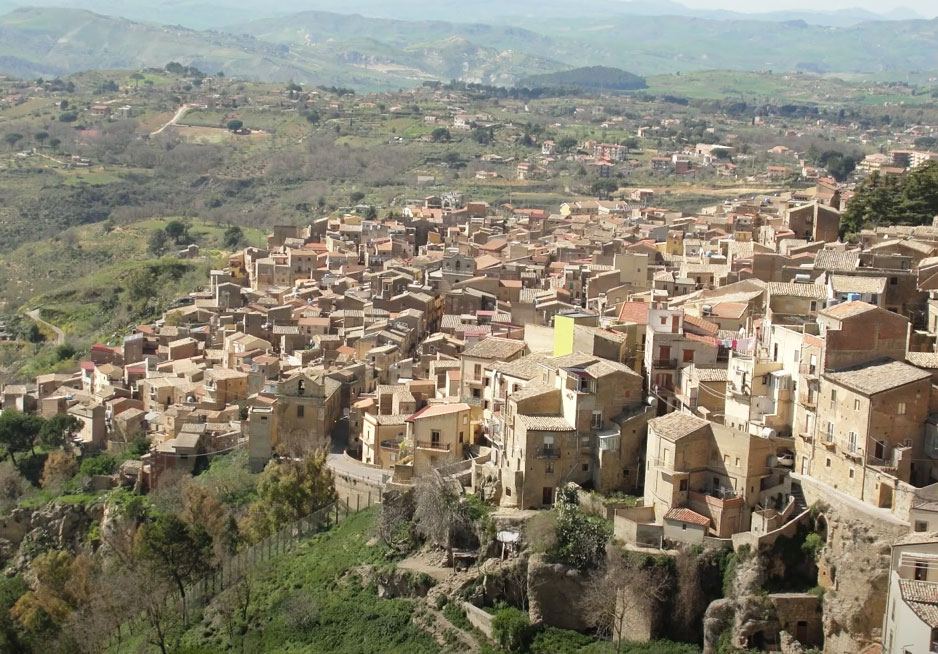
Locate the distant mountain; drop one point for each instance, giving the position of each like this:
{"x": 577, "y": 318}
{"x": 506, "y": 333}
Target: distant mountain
{"x": 588, "y": 78}
{"x": 52, "y": 42}
{"x": 375, "y": 53}
{"x": 212, "y": 14}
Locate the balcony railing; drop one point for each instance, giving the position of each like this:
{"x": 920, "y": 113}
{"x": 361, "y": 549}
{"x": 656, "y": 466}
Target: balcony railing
{"x": 664, "y": 363}
{"x": 548, "y": 452}
{"x": 433, "y": 445}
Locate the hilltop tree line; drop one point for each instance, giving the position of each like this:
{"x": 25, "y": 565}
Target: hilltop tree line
{"x": 891, "y": 200}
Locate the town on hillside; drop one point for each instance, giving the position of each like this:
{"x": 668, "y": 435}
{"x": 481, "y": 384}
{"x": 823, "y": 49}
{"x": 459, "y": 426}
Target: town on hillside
{"x": 720, "y": 373}
{"x": 488, "y": 369}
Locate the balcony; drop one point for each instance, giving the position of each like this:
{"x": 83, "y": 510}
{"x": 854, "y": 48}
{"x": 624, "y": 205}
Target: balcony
{"x": 807, "y": 370}
{"x": 667, "y": 364}
{"x": 808, "y": 401}
{"x": 433, "y": 445}
{"x": 548, "y": 453}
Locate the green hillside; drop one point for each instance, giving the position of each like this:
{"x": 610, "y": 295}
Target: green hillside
{"x": 589, "y": 78}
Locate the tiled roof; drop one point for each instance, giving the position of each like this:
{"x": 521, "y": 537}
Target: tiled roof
{"x": 877, "y": 376}
{"x": 851, "y": 284}
{"x": 545, "y": 423}
{"x": 495, "y": 348}
{"x": 393, "y": 419}
{"x": 636, "y": 312}
{"x": 532, "y": 390}
{"x": 527, "y": 367}
{"x": 676, "y": 425}
{"x": 928, "y": 360}
{"x": 710, "y": 374}
{"x": 922, "y": 598}
{"x": 848, "y": 309}
{"x": 837, "y": 260}
{"x": 688, "y": 516}
{"x": 812, "y": 291}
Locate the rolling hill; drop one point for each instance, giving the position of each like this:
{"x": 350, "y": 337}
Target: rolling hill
{"x": 589, "y": 78}
{"x": 375, "y": 53}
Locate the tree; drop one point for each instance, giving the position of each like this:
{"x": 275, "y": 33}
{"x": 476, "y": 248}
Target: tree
{"x": 173, "y": 548}
{"x": 62, "y": 585}
{"x": 439, "y": 511}
{"x": 288, "y": 491}
{"x": 68, "y": 117}
{"x": 441, "y": 135}
{"x": 356, "y": 196}
{"x": 137, "y": 77}
{"x": 234, "y": 236}
{"x": 41, "y": 137}
{"x": 178, "y": 231}
{"x": 312, "y": 116}
{"x": 59, "y": 468}
{"x": 566, "y": 144}
{"x": 158, "y": 242}
{"x": 581, "y": 539}
{"x": 57, "y": 430}
{"x": 201, "y": 507}
{"x": 619, "y": 590}
{"x": 54, "y": 144}
{"x": 604, "y": 188}
{"x": 18, "y": 431}
{"x": 235, "y": 125}
{"x": 13, "y": 138}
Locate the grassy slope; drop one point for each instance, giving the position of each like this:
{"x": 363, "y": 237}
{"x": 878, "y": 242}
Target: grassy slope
{"x": 345, "y": 618}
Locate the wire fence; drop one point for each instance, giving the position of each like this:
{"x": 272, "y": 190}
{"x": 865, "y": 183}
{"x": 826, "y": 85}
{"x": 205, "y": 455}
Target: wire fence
{"x": 199, "y": 593}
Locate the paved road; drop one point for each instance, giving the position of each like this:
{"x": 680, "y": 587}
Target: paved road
{"x": 172, "y": 121}
{"x": 342, "y": 465}
{"x": 59, "y": 334}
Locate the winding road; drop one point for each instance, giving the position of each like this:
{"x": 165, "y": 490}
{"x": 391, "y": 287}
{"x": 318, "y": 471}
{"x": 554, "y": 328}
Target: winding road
{"x": 172, "y": 121}
{"x": 59, "y": 334}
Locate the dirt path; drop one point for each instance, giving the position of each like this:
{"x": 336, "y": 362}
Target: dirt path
{"x": 172, "y": 121}
{"x": 59, "y": 334}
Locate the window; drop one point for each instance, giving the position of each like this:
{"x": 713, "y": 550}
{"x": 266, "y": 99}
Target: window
{"x": 726, "y": 459}
{"x": 477, "y": 371}
{"x": 597, "y": 420}
{"x": 813, "y": 306}
{"x": 299, "y": 411}
{"x": 827, "y": 463}
{"x": 830, "y": 432}
{"x": 586, "y": 467}
{"x": 737, "y": 462}
{"x": 683, "y": 526}
{"x": 852, "y": 473}
{"x": 683, "y": 485}
{"x": 833, "y": 398}
{"x": 901, "y": 409}
{"x": 688, "y": 356}
{"x": 435, "y": 437}
{"x": 921, "y": 525}
{"x": 549, "y": 468}
{"x": 856, "y": 405}
{"x": 893, "y": 281}
{"x": 852, "y": 441}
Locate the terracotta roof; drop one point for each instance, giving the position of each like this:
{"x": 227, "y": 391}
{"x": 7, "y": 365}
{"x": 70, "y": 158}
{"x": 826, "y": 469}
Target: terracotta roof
{"x": 811, "y": 291}
{"x": 878, "y": 376}
{"x": 433, "y": 410}
{"x": 495, "y": 348}
{"x": 848, "y": 309}
{"x": 636, "y": 312}
{"x": 922, "y": 598}
{"x": 851, "y": 284}
{"x": 837, "y": 260}
{"x": 688, "y": 516}
{"x": 928, "y": 360}
{"x": 702, "y": 324}
{"x": 545, "y": 423}
{"x": 677, "y": 425}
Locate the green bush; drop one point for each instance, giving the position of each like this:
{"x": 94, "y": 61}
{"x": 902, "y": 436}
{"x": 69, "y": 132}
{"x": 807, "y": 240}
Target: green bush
{"x": 457, "y": 617}
{"x": 511, "y": 628}
{"x": 103, "y": 464}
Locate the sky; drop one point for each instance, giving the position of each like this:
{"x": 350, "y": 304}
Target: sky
{"x": 927, "y": 8}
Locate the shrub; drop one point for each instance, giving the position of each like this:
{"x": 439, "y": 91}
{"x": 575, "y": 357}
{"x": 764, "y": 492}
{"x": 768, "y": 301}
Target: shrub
{"x": 103, "y": 464}
{"x": 511, "y": 628}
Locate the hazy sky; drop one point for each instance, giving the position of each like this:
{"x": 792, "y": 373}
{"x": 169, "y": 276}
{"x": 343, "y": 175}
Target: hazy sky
{"x": 927, "y": 8}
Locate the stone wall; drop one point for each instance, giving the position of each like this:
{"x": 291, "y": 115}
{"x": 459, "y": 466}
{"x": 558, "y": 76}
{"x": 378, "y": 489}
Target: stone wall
{"x": 478, "y": 619}
{"x": 853, "y": 567}
{"x": 550, "y": 589}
